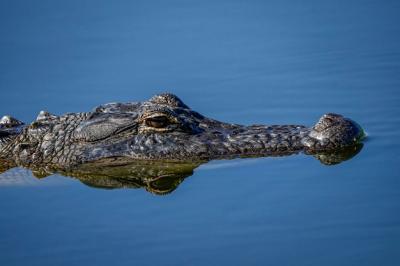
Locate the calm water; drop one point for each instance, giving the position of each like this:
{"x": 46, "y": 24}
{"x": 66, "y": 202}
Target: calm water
{"x": 238, "y": 61}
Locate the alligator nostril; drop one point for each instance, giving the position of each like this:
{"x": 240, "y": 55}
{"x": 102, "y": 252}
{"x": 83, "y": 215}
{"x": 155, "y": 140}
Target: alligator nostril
{"x": 336, "y": 132}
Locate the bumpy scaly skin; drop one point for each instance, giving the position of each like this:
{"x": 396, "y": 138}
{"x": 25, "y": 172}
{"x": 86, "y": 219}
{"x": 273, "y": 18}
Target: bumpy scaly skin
{"x": 163, "y": 129}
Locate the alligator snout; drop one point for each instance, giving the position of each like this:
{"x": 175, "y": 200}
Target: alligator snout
{"x": 333, "y": 132}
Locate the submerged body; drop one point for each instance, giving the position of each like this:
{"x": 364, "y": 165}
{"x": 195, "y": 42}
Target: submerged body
{"x": 162, "y": 129}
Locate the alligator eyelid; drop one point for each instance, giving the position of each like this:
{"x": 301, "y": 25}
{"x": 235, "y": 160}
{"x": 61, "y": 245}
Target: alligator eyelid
{"x": 156, "y": 115}
{"x": 152, "y": 113}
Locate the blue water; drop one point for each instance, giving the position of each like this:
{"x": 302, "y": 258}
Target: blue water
{"x": 271, "y": 62}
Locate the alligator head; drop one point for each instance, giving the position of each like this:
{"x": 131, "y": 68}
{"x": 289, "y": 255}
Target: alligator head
{"x": 165, "y": 129}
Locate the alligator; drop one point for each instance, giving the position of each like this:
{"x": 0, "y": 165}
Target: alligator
{"x": 163, "y": 129}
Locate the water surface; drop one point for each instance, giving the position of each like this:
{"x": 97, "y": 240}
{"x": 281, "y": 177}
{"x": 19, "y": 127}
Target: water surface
{"x": 270, "y": 62}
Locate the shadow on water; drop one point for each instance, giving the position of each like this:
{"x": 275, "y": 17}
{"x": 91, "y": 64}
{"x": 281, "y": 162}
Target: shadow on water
{"x": 156, "y": 177}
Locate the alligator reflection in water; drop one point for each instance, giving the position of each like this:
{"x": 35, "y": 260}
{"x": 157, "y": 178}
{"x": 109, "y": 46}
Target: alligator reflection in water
{"x": 159, "y": 178}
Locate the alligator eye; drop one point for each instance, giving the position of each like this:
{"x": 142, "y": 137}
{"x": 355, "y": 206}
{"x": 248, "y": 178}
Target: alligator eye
{"x": 157, "y": 121}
